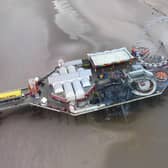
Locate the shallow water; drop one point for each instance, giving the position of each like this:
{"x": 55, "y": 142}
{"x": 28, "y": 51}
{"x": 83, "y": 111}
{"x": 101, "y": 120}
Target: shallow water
{"x": 33, "y": 37}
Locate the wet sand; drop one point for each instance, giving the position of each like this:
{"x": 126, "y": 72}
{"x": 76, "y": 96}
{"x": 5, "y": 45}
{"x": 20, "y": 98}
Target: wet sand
{"x": 33, "y": 37}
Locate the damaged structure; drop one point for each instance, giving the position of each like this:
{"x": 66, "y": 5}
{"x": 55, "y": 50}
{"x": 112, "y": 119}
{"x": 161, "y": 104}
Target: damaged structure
{"x": 98, "y": 82}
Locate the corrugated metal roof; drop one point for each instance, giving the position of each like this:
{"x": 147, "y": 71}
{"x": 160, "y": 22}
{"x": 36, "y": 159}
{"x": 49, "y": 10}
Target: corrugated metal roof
{"x": 85, "y": 82}
{"x": 58, "y": 88}
{"x": 69, "y": 77}
{"x": 69, "y": 92}
{"x": 62, "y": 70}
{"x": 69, "y": 80}
{"x": 71, "y": 69}
{"x": 78, "y": 89}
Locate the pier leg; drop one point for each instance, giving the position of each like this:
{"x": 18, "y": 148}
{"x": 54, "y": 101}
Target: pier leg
{"x": 108, "y": 115}
{"x": 0, "y": 118}
{"x": 125, "y": 112}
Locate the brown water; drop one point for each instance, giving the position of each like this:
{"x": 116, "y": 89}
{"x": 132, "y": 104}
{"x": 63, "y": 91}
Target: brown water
{"x": 32, "y": 38}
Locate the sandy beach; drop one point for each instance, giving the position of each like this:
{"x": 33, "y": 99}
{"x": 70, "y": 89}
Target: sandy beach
{"x": 34, "y": 35}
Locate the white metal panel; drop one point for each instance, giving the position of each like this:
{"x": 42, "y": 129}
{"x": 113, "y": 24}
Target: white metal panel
{"x": 79, "y": 92}
{"x": 85, "y": 82}
{"x": 58, "y": 88}
{"x": 69, "y": 92}
{"x": 85, "y": 73}
{"x": 72, "y": 76}
{"x": 62, "y": 70}
{"x": 71, "y": 69}
{"x": 51, "y": 80}
{"x": 67, "y": 77}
